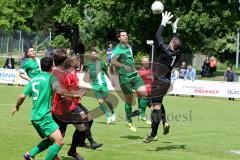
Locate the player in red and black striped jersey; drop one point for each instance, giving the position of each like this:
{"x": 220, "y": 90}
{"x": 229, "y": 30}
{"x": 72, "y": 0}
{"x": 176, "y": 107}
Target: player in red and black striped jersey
{"x": 165, "y": 57}
{"x": 66, "y": 102}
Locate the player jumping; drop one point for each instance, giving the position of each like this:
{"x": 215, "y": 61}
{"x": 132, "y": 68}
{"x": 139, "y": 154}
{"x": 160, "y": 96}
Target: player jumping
{"x": 122, "y": 59}
{"x": 165, "y": 57}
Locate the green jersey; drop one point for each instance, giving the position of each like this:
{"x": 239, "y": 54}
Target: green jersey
{"x": 40, "y": 89}
{"x": 124, "y": 55}
{"x": 97, "y": 70}
{"x": 31, "y": 67}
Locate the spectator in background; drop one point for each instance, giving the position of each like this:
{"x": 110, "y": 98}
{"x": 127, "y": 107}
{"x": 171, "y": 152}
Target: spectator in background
{"x": 9, "y": 64}
{"x": 213, "y": 65}
{"x": 190, "y": 73}
{"x": 109, "y": 54}
{"x": 174, "y": 74}
{"x": 182, "y": 70}
{"x": 49, "y": 52}
{"x": 81, "y": 60}
{"x": 230, "y": 76}
{"x": 205, "y": 68}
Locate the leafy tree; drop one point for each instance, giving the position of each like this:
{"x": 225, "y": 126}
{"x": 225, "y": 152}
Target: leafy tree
{"x": 60, "y": 42}
{"x": 14, "y": 15}
{"x": 205, "y": 26}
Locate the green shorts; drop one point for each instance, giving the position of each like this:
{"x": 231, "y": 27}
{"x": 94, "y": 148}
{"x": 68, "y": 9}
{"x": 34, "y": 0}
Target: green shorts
{"x": 100, "y": 91}
{"x": 130, "y": 83}
{"x": 45, "y": 127}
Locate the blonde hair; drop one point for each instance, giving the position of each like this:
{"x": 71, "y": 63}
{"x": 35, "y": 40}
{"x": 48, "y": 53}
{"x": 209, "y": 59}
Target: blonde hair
{"x": 144, "y": 57}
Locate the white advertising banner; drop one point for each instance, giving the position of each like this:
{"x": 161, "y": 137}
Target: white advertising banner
{"x": 11, "y": 76}
{"x": 179, "y": 86}
{"x": 188, "y": 87}
{"x": 206, "y": 88}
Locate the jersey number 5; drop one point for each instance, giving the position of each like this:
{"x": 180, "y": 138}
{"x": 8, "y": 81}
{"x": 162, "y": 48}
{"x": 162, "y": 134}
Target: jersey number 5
{"x": 34, "y": 84}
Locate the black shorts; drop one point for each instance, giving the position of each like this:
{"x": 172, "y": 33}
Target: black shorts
{"x": 159, "y": 89}
{"x": 63, "y": 124}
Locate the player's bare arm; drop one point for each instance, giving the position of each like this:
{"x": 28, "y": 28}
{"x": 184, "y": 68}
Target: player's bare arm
{"x": 23, "y": 75}
{"x": 116, "y": 63}
{"x": 20, "y": 100}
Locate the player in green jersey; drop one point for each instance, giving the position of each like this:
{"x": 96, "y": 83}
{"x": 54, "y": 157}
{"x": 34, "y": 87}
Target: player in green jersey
{"x": 96, "y": 71}
{"x": 40, "y": 88}
{"x": 122, "y": 59}
{"x": 29, "y": 68}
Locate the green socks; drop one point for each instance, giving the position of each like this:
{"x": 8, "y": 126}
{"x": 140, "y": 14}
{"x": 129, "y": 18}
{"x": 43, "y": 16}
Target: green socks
{"x": 142, "y": 105}
{"x": 40, "y": 147}
{"x": 53, "y": 151}
{"x": 104, "y": 109}
{"x": 128, "y": 110}
{"x": 110, "y": 105}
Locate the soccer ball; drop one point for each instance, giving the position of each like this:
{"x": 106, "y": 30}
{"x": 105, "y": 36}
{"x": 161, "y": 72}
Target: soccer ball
{"x": 157, "y": 7}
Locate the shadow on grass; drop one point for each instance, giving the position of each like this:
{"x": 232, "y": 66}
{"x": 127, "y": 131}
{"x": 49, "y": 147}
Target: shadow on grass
{"x": 170, "y": 147}
{"x": 144, "y": 126}
{"x": 105, "y": 123}
{"x": 167, "y": 142}
{"x": 132, "y": 137}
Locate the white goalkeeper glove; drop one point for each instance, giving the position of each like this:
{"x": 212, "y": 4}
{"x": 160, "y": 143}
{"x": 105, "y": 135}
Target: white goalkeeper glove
{"x": 166, "y": 16}
{"x": 174, "y": 25}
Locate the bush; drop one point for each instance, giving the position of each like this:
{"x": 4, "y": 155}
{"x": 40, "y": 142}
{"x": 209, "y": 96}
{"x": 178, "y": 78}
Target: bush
{"x": 60, "y": 42}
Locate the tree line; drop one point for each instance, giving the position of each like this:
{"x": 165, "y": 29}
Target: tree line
{"x": 205, "y": 26}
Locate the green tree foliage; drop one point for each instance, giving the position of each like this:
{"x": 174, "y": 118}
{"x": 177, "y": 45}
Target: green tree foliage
{"x": 14, "y": 15}
{"x": 206, "y": 26}
{"x": 60, "y": 42}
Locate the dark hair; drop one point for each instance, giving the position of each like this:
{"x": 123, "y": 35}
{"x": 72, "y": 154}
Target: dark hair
{"x": 46, "y": 64}
{"x": 26, "y": 48}
{"x": 26, "y": 52}
{"x": 119, "y": 31}
{"x": 177, "y": 43}
{"x": 59, "y": 56}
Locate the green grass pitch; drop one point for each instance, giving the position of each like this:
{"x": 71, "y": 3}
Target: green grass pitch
{"x": 201, "y": 129}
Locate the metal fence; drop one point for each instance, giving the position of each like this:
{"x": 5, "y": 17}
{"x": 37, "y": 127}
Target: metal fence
{"x": 16, "y": 41}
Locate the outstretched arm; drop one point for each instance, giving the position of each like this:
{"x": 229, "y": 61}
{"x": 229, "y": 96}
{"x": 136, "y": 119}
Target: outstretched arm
{"x": 174, "y": 26}
{"x": 20, "y": 100}
{"x": 166, "y": 16}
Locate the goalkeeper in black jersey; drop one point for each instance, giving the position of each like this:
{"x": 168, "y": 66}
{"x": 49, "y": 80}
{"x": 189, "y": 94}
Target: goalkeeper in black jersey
{"x": 165, "y": 57}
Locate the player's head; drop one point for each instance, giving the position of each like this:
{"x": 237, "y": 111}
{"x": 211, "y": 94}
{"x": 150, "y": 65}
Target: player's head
{"x": 145, "y": 61}
{"x": 175, "y": 43}
{"x": 183, "y": 64}
{"x": 190, "y": 67}
{"x": 93, "y": 55}
{"x": 122, "y": 36}
{"x": 46, "y": 64}
{"x": 59, "y": 56}
{"x": 30, "y": 53}
{"x": 70, "y": 62}
{"x": 229, "y": 68}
